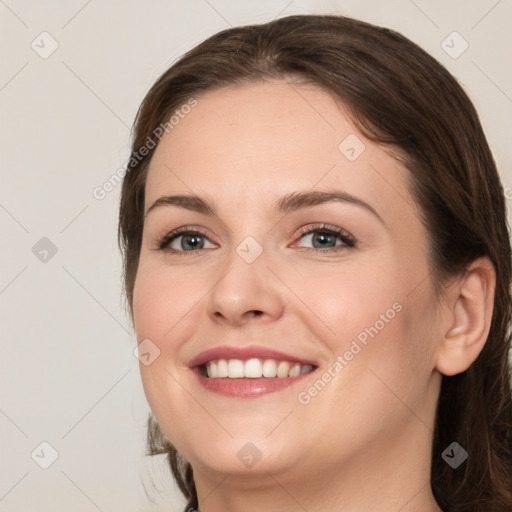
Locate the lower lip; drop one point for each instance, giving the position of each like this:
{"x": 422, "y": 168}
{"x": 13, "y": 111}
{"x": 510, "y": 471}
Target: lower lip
{"x": 246, "y": 387}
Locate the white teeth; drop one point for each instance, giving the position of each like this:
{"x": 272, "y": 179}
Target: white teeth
{"x": 269, "y": 368}
{"x": 222, "y": 368}
{"x": 255, "y": 368}
{"x": 283, "y": 368}
{"x": 294, "y": 370}
{"x": 235, "y": 368}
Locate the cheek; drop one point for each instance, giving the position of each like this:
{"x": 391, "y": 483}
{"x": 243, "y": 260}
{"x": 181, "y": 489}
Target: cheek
{"x": 397, "y": 344}
{"x": 162, "y": 309}
{"x": 375, "y": 317}
{"x": 356, "y": 303}
{"x": 160, "y": 300}
{"x": 158, "y": 305}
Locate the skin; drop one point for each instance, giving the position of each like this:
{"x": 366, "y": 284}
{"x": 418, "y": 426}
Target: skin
{"x": 364, "y": 441}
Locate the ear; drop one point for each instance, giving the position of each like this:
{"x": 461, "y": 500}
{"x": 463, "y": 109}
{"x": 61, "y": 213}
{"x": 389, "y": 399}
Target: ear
{"x": 467, "y": 320}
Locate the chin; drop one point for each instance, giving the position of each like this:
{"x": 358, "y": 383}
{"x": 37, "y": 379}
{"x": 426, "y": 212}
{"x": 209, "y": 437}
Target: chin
{"x": 242, "y": 455}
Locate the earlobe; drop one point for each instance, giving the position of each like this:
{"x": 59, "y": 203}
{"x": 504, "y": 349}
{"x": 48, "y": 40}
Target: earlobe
{"x": 469, "y": 314}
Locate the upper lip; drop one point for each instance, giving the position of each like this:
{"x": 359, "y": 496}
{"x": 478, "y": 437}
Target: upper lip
{"x": 249, "y": 352}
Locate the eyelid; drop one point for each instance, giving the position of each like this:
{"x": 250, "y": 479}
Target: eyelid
{"x": 162, "y": 243}
{"x": 322, "y": 226}
{"x": 348, "y": 240}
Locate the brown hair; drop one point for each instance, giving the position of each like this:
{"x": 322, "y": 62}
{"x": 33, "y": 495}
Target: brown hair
{"x": 402, "y": 98}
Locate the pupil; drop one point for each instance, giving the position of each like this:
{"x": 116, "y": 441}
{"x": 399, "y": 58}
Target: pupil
{"x": 193, "y": 245}
{"x": 323, "y": 236}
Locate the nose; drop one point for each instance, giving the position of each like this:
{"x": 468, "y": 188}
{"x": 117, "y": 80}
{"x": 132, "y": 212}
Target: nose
{"x": 246, "y": 293}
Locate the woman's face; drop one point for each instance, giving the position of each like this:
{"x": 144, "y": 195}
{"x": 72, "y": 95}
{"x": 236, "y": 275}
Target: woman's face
{"x": 267, "y": 270}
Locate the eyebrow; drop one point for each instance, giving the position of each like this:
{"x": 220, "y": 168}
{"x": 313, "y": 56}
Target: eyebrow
{"x": 289, "y": 203}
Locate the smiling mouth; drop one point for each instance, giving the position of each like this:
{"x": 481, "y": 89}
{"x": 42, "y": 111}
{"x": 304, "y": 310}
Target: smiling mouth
{"x": 253, "y": 368}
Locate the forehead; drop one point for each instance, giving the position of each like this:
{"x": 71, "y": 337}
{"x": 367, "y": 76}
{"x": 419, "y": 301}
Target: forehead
{"x": 262, "y": 121}
{"x": 243, "y": 144}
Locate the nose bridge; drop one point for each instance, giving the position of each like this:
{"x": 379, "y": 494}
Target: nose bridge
{"x": 246, "y": 284}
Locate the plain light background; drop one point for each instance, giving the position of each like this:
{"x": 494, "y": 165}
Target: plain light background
{"x": 68, "y": 376}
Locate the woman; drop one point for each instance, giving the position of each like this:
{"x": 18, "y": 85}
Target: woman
{"x": 285, "y": 373}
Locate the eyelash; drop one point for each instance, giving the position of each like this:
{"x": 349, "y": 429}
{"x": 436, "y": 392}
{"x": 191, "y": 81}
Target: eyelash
{"x": 347, "y": 239}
